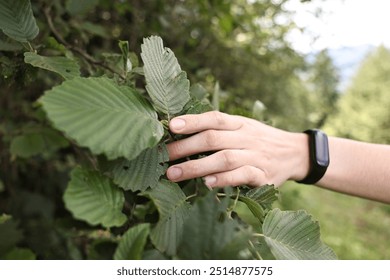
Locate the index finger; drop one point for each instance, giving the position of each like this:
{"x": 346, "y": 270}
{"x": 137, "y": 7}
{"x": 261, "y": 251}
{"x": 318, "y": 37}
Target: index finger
{"x": 188, "y": 124}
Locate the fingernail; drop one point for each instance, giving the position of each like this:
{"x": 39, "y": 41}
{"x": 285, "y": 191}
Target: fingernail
{"x": 177, "y": 123}
{"x": 210, "y": 180}
{"x": 174, "y": 173}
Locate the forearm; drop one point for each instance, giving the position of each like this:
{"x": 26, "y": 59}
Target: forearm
{"x": 359, "y": 169}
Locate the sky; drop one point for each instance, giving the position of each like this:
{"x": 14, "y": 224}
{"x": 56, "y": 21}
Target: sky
{"x": 345, "y": 23}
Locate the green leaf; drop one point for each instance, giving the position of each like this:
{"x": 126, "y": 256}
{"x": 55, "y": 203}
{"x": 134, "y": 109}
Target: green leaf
{"x": 132, "y": 244}
{"x": 153, "y": 254}
{"x": 100, "y": 247}
{"x": 241, "y": 209}
{"x": 94, "y": 29}
{"x": 264, "y": 195}
{"x": 20, "y": 254}
{"x": 126, "y": 63}
{"x": 166, "y": 83}
{"x": 195, "y": 106}
{"x": 7, "y": 44}
{"x": 259, "y": 200}
{"x": 256, "y": 209}
{"x": 37, "y": 142}
{"x": 238, "y": 246}
{"x": 208, "y": 232}
{"x": 17, "y": 20}
{"x": 107, "y": 118}
{"x": 198, "y": 92}
{"x": 173, "y": 209}
{"x": 294, "y": 235}
{"x": 142, "y": 172}
{"x": 260, "y": 248}
{"x": 10, "y": 235}
{"x": 76, "y": 7}
{"x": 91, "y": 197}
{"x": 61, "y": 65}
{"x": 27, "y": 145}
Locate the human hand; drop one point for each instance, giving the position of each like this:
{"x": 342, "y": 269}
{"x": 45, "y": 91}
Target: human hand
{"x": 247, "y": 152}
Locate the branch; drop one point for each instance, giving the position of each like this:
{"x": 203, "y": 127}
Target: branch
{"x": 76, "y": 49}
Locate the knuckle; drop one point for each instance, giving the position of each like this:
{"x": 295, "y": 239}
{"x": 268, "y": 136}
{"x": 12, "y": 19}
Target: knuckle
{"x": 175, "y": 149}
{"x": 211, "y": 139}
{"x": 229, "y": 159}
{"x": 252, "y": 175}
{"x": 219, "y": 117}
{"x": 227, "y": 179}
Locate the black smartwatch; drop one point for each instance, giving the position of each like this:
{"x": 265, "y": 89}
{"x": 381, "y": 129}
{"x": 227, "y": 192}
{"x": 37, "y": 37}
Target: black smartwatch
{"x": 319, "y": 156}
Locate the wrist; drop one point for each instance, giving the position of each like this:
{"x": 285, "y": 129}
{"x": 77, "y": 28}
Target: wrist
{"x": 301, "y": 159}
{"x": 318, "y": 156}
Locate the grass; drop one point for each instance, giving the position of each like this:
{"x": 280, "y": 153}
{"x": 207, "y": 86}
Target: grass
{"x": 355, "y": 228}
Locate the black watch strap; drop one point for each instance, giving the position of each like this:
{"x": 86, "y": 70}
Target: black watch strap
{"x": 319, "y": 156}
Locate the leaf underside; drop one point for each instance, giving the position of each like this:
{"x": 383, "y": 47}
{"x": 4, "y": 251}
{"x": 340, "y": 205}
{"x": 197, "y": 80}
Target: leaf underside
{"x": 132, "y": 243}
{"x": 17, "y": 20}
{"x": 63, "y": 66}
{"x": 142, "y": 172}
{"x": 166, "y": 83}
{"x": 106, "y": 118}
{"x": 209, "y": 233}
{"x": 294, "y": 235}
{"x": 256, "y": 209}
{"x": 264, "y": 195}
{"x": 91, "y": 197}
{"x": 259, "y": 200}
{"x": 173, "y": 209}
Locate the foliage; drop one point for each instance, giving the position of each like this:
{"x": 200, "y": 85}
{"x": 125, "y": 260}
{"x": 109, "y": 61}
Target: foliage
{"x": 132, "y": 243}
{"x": 287, "y": 236}
{"x": 166, "y": 83}
{"x": 115, "y": 120}
{"x": 324, "y": 80}
{"x": 92, "y": 198}
{"x": 95, "y": 188}
{"x": 353, "y": 227}
{"x": 17, "y": 20}
{"x": 363, "y": 110}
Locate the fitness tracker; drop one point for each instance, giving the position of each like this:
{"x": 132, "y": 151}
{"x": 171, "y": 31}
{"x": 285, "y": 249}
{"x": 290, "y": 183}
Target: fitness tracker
{"x": 319, "y": 156}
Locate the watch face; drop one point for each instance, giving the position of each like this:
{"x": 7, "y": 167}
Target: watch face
{"x": 321, "y": 149}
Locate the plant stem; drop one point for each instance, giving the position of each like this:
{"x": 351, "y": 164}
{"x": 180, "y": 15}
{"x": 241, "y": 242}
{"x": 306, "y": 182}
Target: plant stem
{"x": 255, "y": 251}
{"x": 78, "y": 50}
{"x": 234, "y": 203}
{"x": 191, "y": 196}
{"x": 31, "y": 47}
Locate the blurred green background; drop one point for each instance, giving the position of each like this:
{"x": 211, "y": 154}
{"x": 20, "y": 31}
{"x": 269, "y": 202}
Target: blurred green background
{"x": 240, "y": 44}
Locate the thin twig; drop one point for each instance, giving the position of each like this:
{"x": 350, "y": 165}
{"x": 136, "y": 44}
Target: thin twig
{"x": 191, "y": 196}
{"x": 255, "y": 251}
{"x": 78, "y": 50}
{"x": 231, "y": 209}
{"x": 31, "y": 47}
